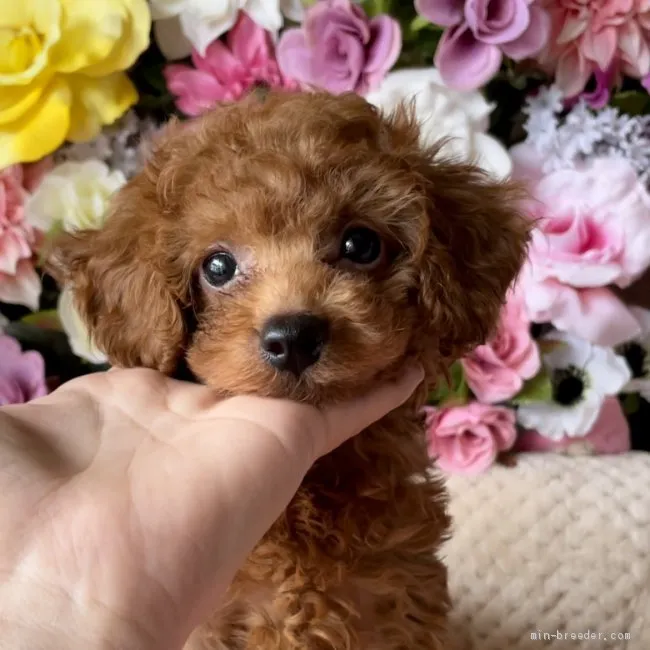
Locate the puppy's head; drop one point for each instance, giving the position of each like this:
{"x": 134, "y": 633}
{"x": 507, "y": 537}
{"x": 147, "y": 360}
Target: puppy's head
{"x": 301, "y": 246}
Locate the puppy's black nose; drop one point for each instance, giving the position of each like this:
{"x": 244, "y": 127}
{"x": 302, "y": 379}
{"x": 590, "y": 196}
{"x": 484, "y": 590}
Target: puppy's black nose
{"x": 294, "y": 342}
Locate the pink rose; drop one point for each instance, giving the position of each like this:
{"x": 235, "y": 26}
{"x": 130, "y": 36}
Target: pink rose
{"x": 22, "y": 374}
{"x": 339, "y": 49}
{"x": 480, "y": 32}
{"x": 609, "y": 435}
{"x": 591, "y": 233}
{"x": 467, "y": 439}
{"x": 228, "y": 70}
{"x": 19, "y": 282}
{"x": 497, "y": 370}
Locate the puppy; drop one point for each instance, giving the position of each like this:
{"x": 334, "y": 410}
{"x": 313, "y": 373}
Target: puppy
{"x": 304, "y": 246}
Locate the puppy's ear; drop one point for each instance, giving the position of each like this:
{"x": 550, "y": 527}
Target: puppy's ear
{"x": 477, "y": 244}
{"x": 119, "y": 275}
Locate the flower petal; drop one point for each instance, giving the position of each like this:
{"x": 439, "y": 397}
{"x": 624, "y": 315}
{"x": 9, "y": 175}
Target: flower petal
{"x": 23, "y": 288}
{"x": 201, "y": 28}
{"x": 571, "y": 29}
{"x": 78, "y": 334}
{"x": 506, "y": 20}
{"x": 294, "y": 55}
{"x": 594, "y": 314}
{"x": 600, "y": 47}
{"x": 492, "y": 155}
{"x": 38, "y": 131}
{"x": 248, "y": 41}
{"x": 266, "y": 13}
{"x": 219, "y": 61}
{"x": 134, "y": 30}
{"x": 534, "y": 37}
{"x": 171, "y": 40}
{"x": 445, "y": 13}
{"x": 572, "y": 72}
{"x": 386, "y": 43}
{"x": 97, "y": 102}
{"x": 608, "y": 371}
{"x": 196, "y": 91}
{"x": 464, "y": 62}
{"x": 293, "y": 9}
{"x": 15, "y": 101}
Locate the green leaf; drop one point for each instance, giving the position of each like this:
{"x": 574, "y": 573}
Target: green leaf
{"x": 548, "y": 345}
{"x": 418, "y": 23}
{"x": 631, "y": 403}
{"x": 455, "y": 393}
{"x": 376, "y": 7}
{"x": 537, "y": 389}
{"x": 631, "y": 102}
{"x": 47, "y": 319}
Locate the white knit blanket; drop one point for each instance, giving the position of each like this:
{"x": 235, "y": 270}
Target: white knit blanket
{"x": 557, "y": 544}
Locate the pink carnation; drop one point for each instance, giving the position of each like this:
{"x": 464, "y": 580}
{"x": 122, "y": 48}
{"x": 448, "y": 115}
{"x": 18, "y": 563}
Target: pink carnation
{"x": 19, "y": 282}
{"x": 339, "y": 49}
{"x": 467, "y": 439}
{"x": 592, "y": 233}
{"x": 497, "y": 370}
{"x": 228, "y": 71}
{"x": 593, "y": 36}
{"x": 480, "y": 32}
{"x": 22, "y": 374}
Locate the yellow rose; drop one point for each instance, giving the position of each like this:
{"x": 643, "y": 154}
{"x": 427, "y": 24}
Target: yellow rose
{"x": 62, "y": 68}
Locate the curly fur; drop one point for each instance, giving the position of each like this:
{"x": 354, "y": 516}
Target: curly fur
{"x": 352, "y": 562}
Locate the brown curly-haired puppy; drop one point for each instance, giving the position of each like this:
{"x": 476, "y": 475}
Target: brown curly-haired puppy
{"x": 305, "y": 246}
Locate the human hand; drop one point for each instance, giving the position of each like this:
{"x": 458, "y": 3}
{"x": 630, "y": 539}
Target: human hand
{"x": 129, "y": 501}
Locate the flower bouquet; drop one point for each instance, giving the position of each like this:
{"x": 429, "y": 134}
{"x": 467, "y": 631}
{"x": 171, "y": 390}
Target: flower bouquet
{"x": 550, "y": 92}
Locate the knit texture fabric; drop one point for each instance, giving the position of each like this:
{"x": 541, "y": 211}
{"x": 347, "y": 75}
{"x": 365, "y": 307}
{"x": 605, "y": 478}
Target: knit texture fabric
{"x": 557, "y": 544}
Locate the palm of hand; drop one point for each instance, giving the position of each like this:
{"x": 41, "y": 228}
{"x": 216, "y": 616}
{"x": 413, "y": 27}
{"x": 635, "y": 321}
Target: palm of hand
{"x": 96, "y": 512}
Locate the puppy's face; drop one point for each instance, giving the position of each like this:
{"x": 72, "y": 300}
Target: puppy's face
{"x": 298, "y": 247}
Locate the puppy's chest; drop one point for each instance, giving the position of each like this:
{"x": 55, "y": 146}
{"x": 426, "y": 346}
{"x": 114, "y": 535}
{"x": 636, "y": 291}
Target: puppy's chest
{"x": 353, "y": 513}
{"x": 337, "y": 566}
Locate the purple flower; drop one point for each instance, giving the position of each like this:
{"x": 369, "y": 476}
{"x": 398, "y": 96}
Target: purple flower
{"x": 339, "y": 49}
{"x": 599, "y": 96}
{"x": 22, "y": 374}
{"x": 645, "y": 82}
{"x": 480, "y": 32}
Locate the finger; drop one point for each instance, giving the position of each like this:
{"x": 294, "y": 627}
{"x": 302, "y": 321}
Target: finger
{"x": 346, "y": 419}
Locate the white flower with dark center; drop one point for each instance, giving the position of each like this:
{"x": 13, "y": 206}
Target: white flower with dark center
{"x": 637, "y": 354}
{"x": 582, "y": 375}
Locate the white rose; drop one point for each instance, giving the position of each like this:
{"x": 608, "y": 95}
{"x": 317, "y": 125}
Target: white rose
{"x": 76, "y": 330}
{"x": 180, "y": 25}
{"x": 73, "y": 196}
{"x": 442, "y": 112}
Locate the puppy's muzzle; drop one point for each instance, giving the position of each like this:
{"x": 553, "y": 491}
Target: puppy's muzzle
{"x": 293, "y": 342}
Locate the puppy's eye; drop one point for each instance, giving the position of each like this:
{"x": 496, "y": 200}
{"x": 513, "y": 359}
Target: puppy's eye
{"x": 219, "y": 268}
{"x": 361, "y": 246}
